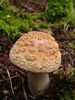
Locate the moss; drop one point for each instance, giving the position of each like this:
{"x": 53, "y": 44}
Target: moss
{"x": 71, "y": 45}
{"x": 44, "y": 25}
{"x": 35, "y": 16}
{"x": 14, "y": 21}
{"x": 73, "y": 73}
{"x": 34, "y": 25}
{"x": 12, "y": 9}
{"x": 71, "y": 34}
{"x": 67, "y": 95}
{"x": 4, "y": 3}
{"x": 57, "y": 10}
{"x": 11, "y": 24}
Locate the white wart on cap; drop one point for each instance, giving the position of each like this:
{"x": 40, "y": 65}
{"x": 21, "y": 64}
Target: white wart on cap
{"x": 36, "y": 52}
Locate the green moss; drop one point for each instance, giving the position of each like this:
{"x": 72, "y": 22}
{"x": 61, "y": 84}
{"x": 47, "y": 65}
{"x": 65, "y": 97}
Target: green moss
{"x": 31, "y": 16}
{"x": 14, "y": 21}
{"x": 11, "y": 24}
{"x": 59, "y": 10}
{"x": 71, "y": 34}
{"x": 4, "y": 3}
{"x": 71, "y": 45}
{"x": 73, "y": 73}
{"x": 44, "y": 25}
{"x": 12, "y": 10}
{"x": 67, "y": 95}
{"x": 35, "y": 16}
{"x": 34, "y": 25}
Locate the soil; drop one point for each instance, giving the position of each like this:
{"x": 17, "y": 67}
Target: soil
{"x": 30, "y": 5}
{"x": 13, "y": 81}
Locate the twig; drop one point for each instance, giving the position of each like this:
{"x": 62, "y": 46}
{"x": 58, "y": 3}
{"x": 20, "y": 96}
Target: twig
{"x": 26, "y": 7}
{"x": 66, "y": 27}
{"x": 7, "y": 79}
{"x": 21, "y": 71}
{"x": 25, "y": 95}
{"x": 10, "y": 81}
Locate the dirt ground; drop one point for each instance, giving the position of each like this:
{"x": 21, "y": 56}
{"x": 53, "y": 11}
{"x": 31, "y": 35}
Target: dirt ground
{"x": 30, "y": 5}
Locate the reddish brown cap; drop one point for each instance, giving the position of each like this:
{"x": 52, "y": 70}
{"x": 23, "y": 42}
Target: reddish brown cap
{"x": 36, "y": 52}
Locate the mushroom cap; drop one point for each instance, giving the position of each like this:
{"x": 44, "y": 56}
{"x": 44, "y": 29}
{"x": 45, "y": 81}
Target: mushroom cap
{"x": 36, "y": 52}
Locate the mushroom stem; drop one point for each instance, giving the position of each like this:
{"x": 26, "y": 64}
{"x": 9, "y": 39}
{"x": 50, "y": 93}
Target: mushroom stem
{"x": 38, "y": 82}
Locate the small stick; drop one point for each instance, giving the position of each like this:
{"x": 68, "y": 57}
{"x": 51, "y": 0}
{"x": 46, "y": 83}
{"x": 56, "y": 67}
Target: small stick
{"x": 7, "y": 79}
{"x": 10, "y": 81}
{"x": 25, "y": 95}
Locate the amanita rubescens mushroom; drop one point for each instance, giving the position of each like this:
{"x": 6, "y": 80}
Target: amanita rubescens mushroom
{"x": 39, "y": 54}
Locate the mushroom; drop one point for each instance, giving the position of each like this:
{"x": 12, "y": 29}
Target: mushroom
{"x": 38, "y": 53}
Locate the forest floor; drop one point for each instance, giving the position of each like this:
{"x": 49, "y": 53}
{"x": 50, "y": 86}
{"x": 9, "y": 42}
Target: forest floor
{"x": 13, "y": 81}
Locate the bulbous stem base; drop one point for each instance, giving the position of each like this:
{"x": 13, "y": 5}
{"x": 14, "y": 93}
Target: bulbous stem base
{"x": 38, "y": 82}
